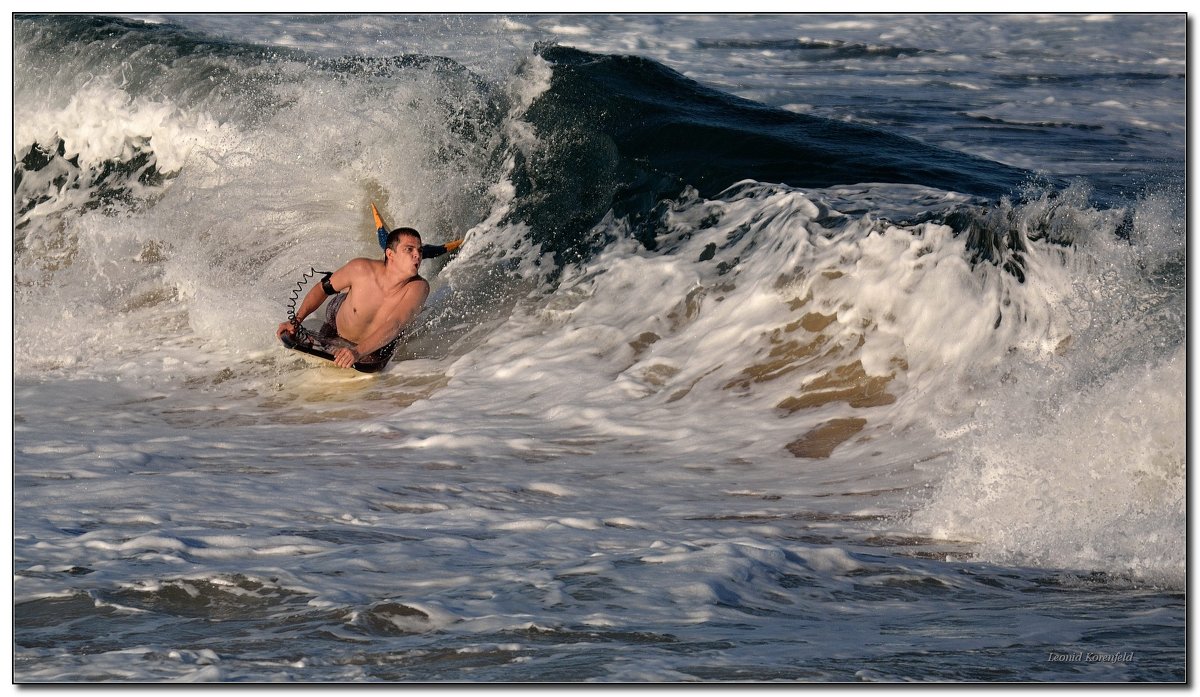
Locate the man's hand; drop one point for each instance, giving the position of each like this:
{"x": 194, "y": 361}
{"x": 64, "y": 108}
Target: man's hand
{"x": 285, "y": 328}
{"x": 345, "y": 358}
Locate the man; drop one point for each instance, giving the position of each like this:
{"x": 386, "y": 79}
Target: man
{"x": 382, "y": 298}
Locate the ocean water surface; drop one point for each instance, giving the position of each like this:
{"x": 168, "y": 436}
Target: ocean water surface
{"x": 817, "y": 348}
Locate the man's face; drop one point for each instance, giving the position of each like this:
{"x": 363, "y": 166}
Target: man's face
{"x": 406, "y": 251}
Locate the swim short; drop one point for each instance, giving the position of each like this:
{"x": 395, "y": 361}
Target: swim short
{"x": 328, "y": 337}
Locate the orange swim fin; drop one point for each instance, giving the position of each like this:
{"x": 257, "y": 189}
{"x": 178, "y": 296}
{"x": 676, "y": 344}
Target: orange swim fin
{"x": 378, "y": 219}
{"x": 381, "y": 230}
{"x": 453, "y": 245}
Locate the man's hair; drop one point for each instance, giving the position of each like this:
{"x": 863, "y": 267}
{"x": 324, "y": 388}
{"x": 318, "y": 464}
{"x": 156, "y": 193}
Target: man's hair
{"x": 395, "y": 235}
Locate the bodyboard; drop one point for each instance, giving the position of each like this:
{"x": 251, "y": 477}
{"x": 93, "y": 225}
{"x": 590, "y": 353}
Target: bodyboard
{"x": 320, "y": 351}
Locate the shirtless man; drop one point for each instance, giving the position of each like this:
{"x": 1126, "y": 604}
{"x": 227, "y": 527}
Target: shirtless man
{"x": 383, "y": 297}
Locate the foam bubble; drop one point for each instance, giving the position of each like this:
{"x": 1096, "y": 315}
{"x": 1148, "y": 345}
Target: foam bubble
{"x": 1099, "y": 483}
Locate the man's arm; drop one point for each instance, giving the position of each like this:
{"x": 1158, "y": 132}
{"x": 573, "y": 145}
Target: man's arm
{"x": 340, "y": 280}
{"x": 390, "y": 328}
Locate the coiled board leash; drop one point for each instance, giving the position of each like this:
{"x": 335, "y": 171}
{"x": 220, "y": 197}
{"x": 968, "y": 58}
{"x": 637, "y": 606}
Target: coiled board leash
{"x": 301, "y": 332}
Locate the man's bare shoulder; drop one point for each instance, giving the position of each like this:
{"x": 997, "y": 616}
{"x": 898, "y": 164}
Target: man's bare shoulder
{"x": 412, "y": 295}
{"x": 361, "y": 265}
{"x": 416, "y": 287}
{"x": 420, "y": 289}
